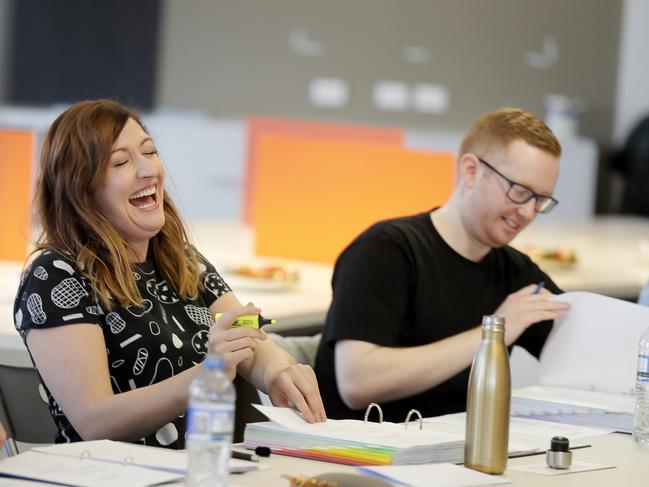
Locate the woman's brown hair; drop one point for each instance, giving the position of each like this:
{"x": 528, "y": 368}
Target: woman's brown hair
{"x": 73, "y": 162}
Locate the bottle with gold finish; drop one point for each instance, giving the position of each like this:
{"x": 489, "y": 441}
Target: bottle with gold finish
{"x": 488, "y": 401}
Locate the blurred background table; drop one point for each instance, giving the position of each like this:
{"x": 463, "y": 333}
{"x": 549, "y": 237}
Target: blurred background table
{"x": 612, "y": 259}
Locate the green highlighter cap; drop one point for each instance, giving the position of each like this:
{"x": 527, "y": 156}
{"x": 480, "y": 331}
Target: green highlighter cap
{"x": 251, "y": 321}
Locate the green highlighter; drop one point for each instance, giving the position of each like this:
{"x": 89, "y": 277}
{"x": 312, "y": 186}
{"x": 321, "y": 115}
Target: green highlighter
{"x": 251, "y": 321}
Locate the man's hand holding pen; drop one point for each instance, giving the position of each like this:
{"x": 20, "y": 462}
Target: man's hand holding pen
{"x": 525, "y": 307}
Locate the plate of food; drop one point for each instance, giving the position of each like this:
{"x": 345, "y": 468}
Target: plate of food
{"x": 552, "y": 258}
{"x": 263, "y": 277}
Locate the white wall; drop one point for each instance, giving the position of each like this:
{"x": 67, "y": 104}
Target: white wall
{"x": 632, "y": 98}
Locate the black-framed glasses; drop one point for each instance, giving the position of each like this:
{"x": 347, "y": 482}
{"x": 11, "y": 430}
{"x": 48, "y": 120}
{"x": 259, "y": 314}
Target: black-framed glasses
{"x": 521, "y": 194}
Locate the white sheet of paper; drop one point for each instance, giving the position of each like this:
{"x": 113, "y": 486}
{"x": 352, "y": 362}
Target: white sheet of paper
{"x": 594, "y": 345}
{"x": 445, "y": 475}
{"x": 525, "y": 435}
{"x": 520, "y": 426}
{"x": 386, "y": 434}
{"x": 82, "y": 471}
{"x": 543, "y": 469}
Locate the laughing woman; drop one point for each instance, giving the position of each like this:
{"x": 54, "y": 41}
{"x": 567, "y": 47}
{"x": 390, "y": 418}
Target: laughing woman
{"x": 116, "y": 307}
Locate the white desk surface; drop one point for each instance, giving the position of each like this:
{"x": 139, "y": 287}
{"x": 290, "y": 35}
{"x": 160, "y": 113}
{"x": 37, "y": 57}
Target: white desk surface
{"x": 612, "y": 253}
{"x": 225, "y": 244}
{"x": 613, "y": 259}
{"x": 629, "y": 457}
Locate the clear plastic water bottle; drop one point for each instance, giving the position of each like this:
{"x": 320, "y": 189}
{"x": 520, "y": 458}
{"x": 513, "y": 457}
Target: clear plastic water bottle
{"x": 210, "y": 422}
{"x": 641, "y": 417}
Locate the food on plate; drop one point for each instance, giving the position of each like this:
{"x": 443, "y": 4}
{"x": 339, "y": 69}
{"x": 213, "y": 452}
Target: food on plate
{"x": 267, "y": 273}
{"x": 561, "y": 256}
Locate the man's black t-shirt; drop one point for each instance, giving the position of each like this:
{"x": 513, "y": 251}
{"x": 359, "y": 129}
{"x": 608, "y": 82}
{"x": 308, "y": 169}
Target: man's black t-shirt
{"x": 399, "y": 284}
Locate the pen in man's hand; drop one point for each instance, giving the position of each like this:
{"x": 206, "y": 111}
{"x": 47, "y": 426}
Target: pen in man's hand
{"x": 251, "y": 457}
{"x": 540, "y": 286}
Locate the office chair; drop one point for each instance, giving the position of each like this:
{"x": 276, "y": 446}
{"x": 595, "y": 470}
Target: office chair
{"x": 302, "y": 348}
{"x": 24, "y": 413}
{"x": 632, "y": 161}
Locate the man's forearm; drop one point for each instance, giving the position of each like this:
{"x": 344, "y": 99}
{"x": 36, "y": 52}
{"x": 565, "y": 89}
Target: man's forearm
{"x": 370, "y": 373}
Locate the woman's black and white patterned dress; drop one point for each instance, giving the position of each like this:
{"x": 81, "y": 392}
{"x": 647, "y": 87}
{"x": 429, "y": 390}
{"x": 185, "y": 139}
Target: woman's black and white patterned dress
{"x": 145, "y": 345}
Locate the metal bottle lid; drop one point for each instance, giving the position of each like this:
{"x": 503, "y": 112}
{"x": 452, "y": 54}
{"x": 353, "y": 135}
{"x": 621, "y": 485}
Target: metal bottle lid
{"x": 493, "y": 323}
{"x": 559, "y": 455}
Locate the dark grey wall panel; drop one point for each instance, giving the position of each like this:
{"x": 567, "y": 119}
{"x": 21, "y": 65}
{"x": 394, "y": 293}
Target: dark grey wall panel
{"x": 68, "y": 50}
{"x": 233, "y": 57}
{"x": 5, "y": 30}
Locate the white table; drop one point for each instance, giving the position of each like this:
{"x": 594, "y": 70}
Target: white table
{"x": 613, "y": 259}
{"x": 226, "y": 245}
{"x": 631, "y": 460}
{"x": 612, "y": 253}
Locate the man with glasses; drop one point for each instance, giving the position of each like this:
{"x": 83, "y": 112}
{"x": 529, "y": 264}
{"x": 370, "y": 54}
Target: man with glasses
{"x": 409, "y": 293}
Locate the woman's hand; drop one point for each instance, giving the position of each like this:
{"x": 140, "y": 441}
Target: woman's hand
{"x": 296, "y": 384}
{"x": 234, "y": 345}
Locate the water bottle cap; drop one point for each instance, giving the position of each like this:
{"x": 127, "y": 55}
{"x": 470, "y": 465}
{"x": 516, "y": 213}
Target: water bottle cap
{"x": 493, "y": 323}
{"x": 213, "y": 361}
{"x": 559, "y": 455}
{"x": 559, "y": 443}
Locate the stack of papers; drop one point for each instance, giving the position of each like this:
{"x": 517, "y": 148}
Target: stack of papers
{"x": 611, "y": 412}
{"x": 352, "y": 442}
{"x": 526, "y": 436}
{"x": 104, "y": 463}
{"x": 594, "y": 345}
{"x": 587, "y": 368}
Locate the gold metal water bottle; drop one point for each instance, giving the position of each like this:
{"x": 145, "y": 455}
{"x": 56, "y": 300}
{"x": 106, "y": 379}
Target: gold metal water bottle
{"x": 488, "y": 401}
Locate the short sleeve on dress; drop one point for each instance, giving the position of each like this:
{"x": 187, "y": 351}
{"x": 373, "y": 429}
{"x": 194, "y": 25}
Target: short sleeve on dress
{"x": 214, "y": 285}
{"x": 53, "y": 293}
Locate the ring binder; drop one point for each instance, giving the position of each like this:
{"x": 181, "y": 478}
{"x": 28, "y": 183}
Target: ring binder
{"x": 351, "y": 441}
{"x": 99, "y": 462}
{"x": 410, "y": 413}
{"x": 87, "y": 455}
{"x": 373, "y": 405}
{"x": 369, "y": 409}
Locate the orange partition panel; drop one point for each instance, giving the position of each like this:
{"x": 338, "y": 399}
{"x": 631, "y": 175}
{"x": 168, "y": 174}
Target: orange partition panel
{"x": 261, "y": 126}
{"x": 313, "y": 196}
{"x": 16, "y": 158}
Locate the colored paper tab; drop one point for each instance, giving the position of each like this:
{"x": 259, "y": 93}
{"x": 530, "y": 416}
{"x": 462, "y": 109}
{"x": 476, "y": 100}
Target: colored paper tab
{"x": 312, "y": 197}
{"x": 263, "y": 126}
